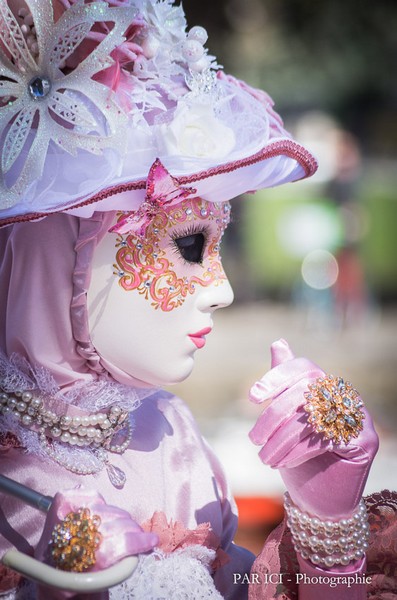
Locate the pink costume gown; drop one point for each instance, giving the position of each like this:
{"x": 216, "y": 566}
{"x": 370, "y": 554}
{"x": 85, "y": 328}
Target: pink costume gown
{"x": 169, "y": 468}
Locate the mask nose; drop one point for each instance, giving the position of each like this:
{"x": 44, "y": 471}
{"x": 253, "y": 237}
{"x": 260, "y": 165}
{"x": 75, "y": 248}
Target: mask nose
{"x": 217, "y": 295}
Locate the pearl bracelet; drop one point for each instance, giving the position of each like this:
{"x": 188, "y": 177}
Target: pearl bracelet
{"x": 328, "y": 543}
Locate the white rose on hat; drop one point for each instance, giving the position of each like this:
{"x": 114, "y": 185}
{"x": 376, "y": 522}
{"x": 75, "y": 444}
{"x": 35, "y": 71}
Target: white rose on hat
{"x": 196, "y": 131}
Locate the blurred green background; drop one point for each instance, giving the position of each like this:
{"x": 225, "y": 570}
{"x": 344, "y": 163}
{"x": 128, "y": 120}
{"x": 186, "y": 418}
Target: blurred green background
{"x": 276, "y": 269}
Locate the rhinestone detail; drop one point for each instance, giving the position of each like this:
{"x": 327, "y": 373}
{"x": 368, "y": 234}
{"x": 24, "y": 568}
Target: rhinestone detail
{"x": 39, "y": 88}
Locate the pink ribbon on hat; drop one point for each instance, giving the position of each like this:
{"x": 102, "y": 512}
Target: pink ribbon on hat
{"x": 161, "y": 190}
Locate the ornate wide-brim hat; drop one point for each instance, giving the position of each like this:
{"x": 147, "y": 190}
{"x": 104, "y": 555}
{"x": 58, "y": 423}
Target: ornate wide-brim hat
{"x": 92, "y": 93}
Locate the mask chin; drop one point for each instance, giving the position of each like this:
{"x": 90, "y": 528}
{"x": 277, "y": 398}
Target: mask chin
{"x": 138, "y": 344}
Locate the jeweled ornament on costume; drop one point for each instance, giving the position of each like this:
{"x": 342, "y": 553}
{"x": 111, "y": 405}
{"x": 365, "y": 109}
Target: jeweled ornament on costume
{"x": 334, "y": 409}
{"x": 74, "y": 541}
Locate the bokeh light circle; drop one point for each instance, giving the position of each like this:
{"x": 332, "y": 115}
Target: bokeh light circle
{"x": 320, "y": 269}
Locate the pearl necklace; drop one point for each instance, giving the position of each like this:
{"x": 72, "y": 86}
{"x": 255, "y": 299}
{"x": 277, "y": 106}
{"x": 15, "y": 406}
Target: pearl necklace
{"x": 94, "y": 432}
{"x": 89, "y": 430}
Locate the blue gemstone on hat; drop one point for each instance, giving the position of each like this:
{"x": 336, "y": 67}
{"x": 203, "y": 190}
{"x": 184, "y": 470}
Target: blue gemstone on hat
{"x": 39, "y": 88}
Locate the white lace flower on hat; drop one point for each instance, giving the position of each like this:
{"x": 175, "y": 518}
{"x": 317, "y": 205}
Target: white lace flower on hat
{"x": 44, "y": 103}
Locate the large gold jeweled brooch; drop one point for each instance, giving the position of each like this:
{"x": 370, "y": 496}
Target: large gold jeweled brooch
{"x": 74, "y": 541}
{"x": 334, "y": 409}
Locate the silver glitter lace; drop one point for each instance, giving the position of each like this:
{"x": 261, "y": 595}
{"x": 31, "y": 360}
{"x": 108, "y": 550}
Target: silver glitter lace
{"x": 40, "y": 103}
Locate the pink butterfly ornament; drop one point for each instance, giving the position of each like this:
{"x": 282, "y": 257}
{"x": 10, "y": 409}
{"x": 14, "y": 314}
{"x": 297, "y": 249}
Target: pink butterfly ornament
{"x": 161, "y": 190}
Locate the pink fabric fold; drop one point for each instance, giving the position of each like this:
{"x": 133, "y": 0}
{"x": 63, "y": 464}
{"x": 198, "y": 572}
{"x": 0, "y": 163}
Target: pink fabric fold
{"x": 51, "y": 330}
{"x": 40, "y": 329}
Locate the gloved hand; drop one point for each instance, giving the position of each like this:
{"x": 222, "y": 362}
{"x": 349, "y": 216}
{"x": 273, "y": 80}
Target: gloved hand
{"x": 120, "y": 535}
{"x": 323, "y": 477}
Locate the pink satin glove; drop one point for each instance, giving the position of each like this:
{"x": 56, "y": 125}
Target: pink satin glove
{"x": 324, "y": 478}
{"x": 120, "y": 535}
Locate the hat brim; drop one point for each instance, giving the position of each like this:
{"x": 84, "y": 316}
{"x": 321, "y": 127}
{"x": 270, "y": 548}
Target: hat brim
{"x": 281, "y": 161}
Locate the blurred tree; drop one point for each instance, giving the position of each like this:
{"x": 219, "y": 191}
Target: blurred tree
{"x": 335, "y": 55}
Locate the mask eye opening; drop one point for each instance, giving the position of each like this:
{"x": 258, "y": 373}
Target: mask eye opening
{"x": 190, "y": 245}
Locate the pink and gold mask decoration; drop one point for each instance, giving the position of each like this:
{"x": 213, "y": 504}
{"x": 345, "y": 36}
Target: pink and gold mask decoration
{"x": 171, "y": 244}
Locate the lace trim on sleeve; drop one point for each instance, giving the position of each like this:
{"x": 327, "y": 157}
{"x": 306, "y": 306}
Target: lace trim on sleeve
{"x": 382, "y": 552}
{"x": 8, "y": 580}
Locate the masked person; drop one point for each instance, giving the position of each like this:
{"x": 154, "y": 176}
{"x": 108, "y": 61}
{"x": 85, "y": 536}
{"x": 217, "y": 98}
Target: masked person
{"x": 122, "y": 144}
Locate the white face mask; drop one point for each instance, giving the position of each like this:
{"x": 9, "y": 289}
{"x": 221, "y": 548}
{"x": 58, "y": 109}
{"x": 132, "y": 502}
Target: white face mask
{"x": 151, "y": 298}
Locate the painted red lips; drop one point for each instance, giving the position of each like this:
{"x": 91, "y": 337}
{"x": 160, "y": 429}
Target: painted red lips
{"x": 198, "y": 338}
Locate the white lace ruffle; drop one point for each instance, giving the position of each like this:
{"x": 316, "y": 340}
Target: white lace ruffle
{"x": 181, "y": 575}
